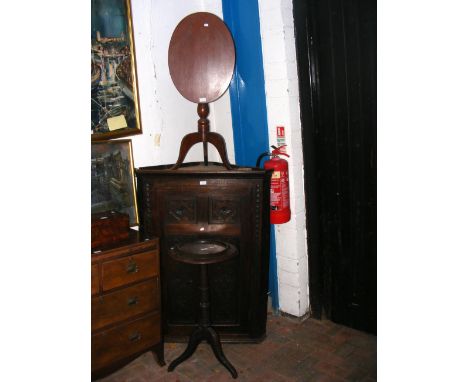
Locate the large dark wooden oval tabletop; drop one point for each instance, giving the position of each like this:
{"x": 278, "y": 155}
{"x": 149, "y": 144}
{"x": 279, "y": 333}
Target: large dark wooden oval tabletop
{"x": 201, "y": 57}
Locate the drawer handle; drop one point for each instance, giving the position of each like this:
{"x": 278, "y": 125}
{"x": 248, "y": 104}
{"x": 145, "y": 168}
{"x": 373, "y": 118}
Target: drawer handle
{"x": 134, "y": 337}
{"x": 132, "y": 267}
{"x": 132, "y": 301}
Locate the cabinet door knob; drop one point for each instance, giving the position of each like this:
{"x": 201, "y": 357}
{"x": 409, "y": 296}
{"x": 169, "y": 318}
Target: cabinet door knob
{"x": 225, "y": 211}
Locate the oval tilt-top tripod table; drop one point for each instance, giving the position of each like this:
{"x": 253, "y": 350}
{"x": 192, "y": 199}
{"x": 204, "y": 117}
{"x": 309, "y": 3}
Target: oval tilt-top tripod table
{"x": 201, "y": 62}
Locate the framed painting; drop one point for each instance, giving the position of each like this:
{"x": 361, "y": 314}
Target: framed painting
{"x": 113, "y": 179}
{"x": 115, "y": 110}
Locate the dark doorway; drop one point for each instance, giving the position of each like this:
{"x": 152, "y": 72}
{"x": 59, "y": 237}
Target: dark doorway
{"x": 336, "y": 52}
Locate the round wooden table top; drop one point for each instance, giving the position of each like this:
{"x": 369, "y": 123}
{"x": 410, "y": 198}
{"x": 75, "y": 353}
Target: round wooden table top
{"x": 203, "y": 251}
{"x": 201, "y": 57}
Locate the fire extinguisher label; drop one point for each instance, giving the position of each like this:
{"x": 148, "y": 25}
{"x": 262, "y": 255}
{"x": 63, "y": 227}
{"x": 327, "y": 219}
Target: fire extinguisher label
{"x": 279, "y": 191}
{"x": 285, "y": 189}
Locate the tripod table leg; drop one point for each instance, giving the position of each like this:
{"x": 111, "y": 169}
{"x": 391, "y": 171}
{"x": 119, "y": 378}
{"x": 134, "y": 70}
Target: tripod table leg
{"x": 215, "y": 343}
{"x": 195, "y": 338}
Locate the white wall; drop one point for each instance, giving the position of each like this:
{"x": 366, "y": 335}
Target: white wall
{"x": 165, "y": 115}
{"x": 282, "y": 98}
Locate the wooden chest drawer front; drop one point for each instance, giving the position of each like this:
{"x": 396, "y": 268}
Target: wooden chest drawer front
{"x": 122, "y": 341}
{"x": 125, "y": 303}
{"x": 94, "y": 279}
{"x": 129, "y": 269}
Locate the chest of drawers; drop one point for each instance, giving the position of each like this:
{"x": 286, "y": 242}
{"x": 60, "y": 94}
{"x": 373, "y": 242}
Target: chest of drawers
{"x": 125, "y": 303}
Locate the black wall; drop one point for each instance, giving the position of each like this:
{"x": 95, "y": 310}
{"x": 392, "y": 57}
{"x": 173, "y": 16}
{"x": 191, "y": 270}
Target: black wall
{"x": 336, "y": 52}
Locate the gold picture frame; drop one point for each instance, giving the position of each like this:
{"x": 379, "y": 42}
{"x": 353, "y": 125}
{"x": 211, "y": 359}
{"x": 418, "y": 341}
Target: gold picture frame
{"x": 113, "y": 186}
{"x": 115, "y": 106}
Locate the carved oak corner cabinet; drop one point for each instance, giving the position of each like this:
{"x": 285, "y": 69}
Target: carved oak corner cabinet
{"x": 210, "y": 202}
{"x": 125, "y": 303}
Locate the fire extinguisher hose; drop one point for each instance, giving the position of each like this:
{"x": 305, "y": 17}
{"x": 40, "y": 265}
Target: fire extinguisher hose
{"x": 262, "y": 155}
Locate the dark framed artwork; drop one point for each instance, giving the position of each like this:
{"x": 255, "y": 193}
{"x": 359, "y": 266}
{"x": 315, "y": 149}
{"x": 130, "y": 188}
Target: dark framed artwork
{"x": 115, "y": 109}
{"x": 113, "y": 179}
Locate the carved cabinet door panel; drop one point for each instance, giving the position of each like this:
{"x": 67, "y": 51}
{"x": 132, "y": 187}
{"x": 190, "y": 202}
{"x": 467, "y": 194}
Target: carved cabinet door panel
{"x": 192, "y": 212}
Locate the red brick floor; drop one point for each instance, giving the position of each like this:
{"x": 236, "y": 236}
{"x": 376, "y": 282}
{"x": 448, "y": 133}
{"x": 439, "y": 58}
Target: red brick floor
{"x": 310, "y": 351}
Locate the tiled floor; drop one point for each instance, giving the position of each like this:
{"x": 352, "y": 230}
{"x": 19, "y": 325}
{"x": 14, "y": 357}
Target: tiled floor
{"x": 310, "y": 351}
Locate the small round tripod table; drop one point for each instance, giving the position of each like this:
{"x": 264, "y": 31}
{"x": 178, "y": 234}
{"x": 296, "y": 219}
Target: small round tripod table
{"x": 203, "y": 253}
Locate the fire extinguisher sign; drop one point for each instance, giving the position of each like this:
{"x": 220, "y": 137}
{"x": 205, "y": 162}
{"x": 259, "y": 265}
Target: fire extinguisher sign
{"x": 280, "y": 138}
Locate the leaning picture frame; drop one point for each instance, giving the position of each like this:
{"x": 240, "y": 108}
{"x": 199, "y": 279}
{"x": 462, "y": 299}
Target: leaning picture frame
{"x": 115, "y": 106}
{"x": 113, "y": 179}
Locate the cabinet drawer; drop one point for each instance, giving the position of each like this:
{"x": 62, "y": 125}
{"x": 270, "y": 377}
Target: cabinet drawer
{"x": 123, "y": 341}
{"x": 129, "y": 269}
{"x": 94, "y": 279}
{"x": 125, "y": 303}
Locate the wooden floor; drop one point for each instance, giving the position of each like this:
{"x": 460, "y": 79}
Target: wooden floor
{"x": 308, "y": 351}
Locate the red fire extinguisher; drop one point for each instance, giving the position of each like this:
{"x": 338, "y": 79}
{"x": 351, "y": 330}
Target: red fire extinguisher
{"x": 280, "y": 211}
